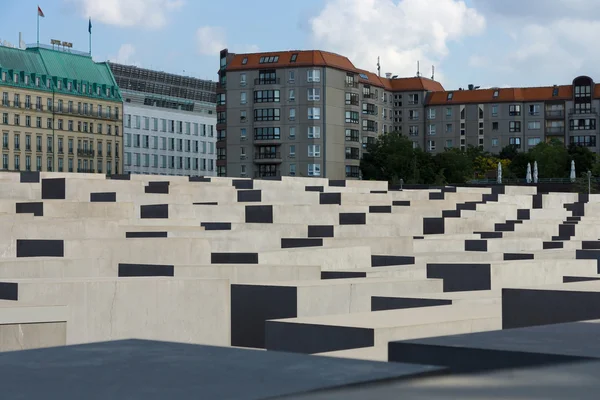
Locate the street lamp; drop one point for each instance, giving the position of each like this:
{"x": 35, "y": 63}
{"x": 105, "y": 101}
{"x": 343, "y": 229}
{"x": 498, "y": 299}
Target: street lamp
{"x": 589, "y": 175}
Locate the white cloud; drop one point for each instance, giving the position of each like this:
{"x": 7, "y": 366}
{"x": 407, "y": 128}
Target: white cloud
{"x": 552, "y": 41}
{"x": 146, "y": 13}
{"x": 124, "y": 55}
{"x": 476, "y": 61}
{"x": 210, "y": 40}
{"x": 400, "y": 32}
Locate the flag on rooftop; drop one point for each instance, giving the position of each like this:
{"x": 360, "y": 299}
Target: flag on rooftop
{"x": 90, "y": 26}
{"x": 41, "y": 13}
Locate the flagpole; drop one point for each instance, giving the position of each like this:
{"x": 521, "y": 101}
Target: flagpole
{"x": 90, "y": 31}
{"x": 38, "y": 29}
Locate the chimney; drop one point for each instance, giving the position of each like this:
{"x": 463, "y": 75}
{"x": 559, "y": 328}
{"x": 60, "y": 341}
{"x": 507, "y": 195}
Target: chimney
{"x": 388, "y": 75}
{"x": 471, "y": 86}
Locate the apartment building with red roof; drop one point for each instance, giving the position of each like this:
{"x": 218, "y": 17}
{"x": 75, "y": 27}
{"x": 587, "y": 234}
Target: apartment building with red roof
{"x": 312, "y": 113}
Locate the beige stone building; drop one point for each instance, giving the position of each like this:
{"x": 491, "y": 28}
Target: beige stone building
{"x": 60, "y": 111}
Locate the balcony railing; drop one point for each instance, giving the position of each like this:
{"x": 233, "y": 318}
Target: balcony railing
{"x": 555, "y": 114}
{"x": 86, "y": 170}
{"x": 266, "y": 174}
{"x": 85, "y": 153}
{"x": 262, "y": 81}
{"x": 352, "y": 174}
{"x": 267, "y": 137}
{"x": 579, "y": 111}
{"x": 369, "y": 96}
{"x": 352, "y": 156}
{"x": 267, "y": 156}
{"x": 352, "y": 85}
{"x": 555, "y": 130}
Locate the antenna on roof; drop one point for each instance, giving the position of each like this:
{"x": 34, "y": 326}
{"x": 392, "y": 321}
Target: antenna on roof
{"x": 378, "y": 67}
{"x": 418, "y": 68}
{"x": 433, "y": 72}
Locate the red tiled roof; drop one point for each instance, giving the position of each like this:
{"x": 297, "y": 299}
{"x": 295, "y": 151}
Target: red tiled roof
{"x": 565, "y": 92}
{"x": 326, "y": 59}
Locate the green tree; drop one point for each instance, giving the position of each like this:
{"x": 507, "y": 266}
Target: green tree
{"x": 392, "y": 157}
{"x": 456, "y": 165}
{"x": 552, "y": 158}
{"x": 509, "y": 152}
{"x": 584, "y": 158}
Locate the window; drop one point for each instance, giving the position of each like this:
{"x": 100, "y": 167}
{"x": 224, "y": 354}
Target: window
{"x": 243, "y": 98}
{"x": 314, "y": 169}
{"x": 352, "y": 135}
{"x": 314, "y": 150}
{"x": 245, "y": 61}
{"x": 352, "y": 117}
{"x": 533, "y": 141}
{"x": 534, "y": 109}
{"x": 314, "y": 113}
{"x": 313, "y": 75}
{"x": 293, "y": 57}
{"x": 413, "y": 115}
{"x": 515, "y": 141}
{"x": 514, "y": 110}
{"x": 265, "y": 134}
{"x": 533, "y": 125}
{"x": 314, "y": 132}
{"x": 431, "y": 145}
{"x": 268, "y": 59}
{"x": 480, "y": 112}
{"x": 291, "y": 76}
{"x": 266, "y": 96}
{"x": 292, "y": 95}
{"x": 449, "y": 144}
{"x": 413, "y": 130}
{"x": 431, "y": 113}
{"x": 352, "y": 153}
{"x": 450, "y": 95}
{"x": 494, "y": 126}
{"x": 242, "y": 79}
{"x": 267, "y": 77}
{"x": 314, "y": 94}
{"x": 582, "y": 124}
{"x": 514, "y": 126}
{"x": 351, "y": 99}
{"x": 267, "y": 114}
{"x": 27, "y": 120}
{"x": 413, "y": 99}
{"x": 243, "y": 133}
{"x": 292, "y": 150}
{"x": 431, "y": 129}
{"x": 448, "y": 128}
{"x": 448, "y": 112}
{"x": 292, "y": 169}
{"x": 463, "y": 113}
{"x": 292, "y": 132}
{"x": 494, "y": 142}
{"x": 586, "y": 141}
{"x": 292, "y": 114}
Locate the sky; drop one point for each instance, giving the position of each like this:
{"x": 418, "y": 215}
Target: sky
{"x": 489, "y": 43}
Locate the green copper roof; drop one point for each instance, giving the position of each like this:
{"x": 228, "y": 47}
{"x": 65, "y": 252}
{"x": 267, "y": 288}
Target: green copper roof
{"x": 61, "y": 65}
{"x": 74, "y": 66}
{"x": 20, "y": 60}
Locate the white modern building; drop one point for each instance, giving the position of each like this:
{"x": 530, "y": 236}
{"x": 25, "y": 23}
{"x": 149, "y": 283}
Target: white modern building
{"x": 169, "y": 123}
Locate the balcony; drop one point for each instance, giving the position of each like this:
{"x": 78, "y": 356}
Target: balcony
{"x": 555, "y": 114}
{"x": 266, "y": 174}
{"x": 85, "y": 153}
{"x": 267, "y": 158}
{"x": 85, "y": 170}
{"x": 352, "y": 174}
{"x": 352, "y": 85}
{"x": 266, "y": 139}
{"x": 259, "y": 81}
{"x": 588, "y": 111}
{"x": 555, "y": 130}
{"x": 367, "y": 96}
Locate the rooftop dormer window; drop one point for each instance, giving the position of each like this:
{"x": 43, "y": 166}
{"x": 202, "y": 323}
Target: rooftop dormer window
{"x": 294, "y": 57}
{"x": 268, "y": 59}
{"x": 245, "y": 61}
{"x": 555, "y": 91}
{"x": 450, "y": 95}
{"x": 496, "y": 92}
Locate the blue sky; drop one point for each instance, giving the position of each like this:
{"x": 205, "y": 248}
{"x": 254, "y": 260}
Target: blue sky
{"x": 485, "y": 42}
